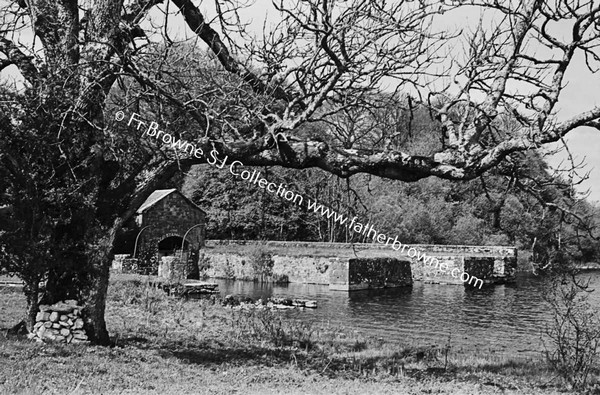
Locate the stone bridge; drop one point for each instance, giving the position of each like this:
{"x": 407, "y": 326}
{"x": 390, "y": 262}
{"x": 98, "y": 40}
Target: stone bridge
{"x": 357, "y": 266}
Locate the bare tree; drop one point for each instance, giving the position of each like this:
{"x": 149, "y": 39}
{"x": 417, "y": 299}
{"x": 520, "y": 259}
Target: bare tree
{"x": 340, "y": 53}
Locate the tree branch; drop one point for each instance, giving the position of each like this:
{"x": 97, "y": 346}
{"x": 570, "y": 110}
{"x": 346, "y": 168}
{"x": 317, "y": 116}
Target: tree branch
{"x": 56, "y": 23}
{"x": 5, "y": 63}
{"x": 136, "y": 11}
{"x": 195, "y": 20}
{"x": 18, "y": 58}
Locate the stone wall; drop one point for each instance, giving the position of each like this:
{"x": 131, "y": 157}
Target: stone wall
{"x": 370, "y": 249}
{"x": 369, "y": 273}
{"x": 490, "y": 269}
{"x": 430, "y": 274}
{"x": 171, "y": 216}
{"x": 117, "y": 262}
{"x": 122, "y": 263}
{"x": 237, "y": 264}
{"x": 306, "y": 262}
{"x": 172, "y": 269}
{"x": 60, "y": 322}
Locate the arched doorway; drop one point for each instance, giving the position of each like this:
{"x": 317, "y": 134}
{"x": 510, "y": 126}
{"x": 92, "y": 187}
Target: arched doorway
{"x": 171, "y": 246}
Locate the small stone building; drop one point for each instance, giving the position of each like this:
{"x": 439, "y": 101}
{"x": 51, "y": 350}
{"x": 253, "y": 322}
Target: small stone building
{"x": 166, "y": 225}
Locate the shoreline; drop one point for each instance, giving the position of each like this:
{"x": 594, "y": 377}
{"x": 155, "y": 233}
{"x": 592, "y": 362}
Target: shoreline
{"x": 168, "y": 345}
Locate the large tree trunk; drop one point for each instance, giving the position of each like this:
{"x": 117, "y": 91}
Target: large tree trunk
{"x": 85, "y": 279}
{"x": 88, "y": 287}
{"x": 95, "y": 290}
{"x": 94, "y": 294}
{"x": 31, "y": 291}
{"x": 94, "y": 302}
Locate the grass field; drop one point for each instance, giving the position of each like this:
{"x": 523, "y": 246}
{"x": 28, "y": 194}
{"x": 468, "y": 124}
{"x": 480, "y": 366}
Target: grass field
{"x": 165, "y": 345}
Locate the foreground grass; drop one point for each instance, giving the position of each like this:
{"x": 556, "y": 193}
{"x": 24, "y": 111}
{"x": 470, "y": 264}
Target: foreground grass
{"x": 165, "y": 345}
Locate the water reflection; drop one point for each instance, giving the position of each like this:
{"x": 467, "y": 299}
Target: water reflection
{"x": 501, "y": 319}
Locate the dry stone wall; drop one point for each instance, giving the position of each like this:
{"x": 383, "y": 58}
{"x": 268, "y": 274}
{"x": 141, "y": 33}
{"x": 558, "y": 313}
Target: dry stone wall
{"x": 60, "y": 322}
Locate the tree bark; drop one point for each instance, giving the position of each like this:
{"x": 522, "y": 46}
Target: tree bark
{"x": 94, "y": 303}
{"x": 94, "y": 296}
{"x": 88, "y": 288}
{"x": 31, "y": 290}
{"x": 85, "y": 279}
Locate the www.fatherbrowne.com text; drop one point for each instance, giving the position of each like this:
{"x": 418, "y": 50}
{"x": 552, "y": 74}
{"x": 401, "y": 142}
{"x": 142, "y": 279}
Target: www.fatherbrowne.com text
{"x": 214, "y": 158}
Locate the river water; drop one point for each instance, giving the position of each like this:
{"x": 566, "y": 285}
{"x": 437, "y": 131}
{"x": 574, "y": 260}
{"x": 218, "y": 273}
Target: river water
{"x": 502, "y": 320}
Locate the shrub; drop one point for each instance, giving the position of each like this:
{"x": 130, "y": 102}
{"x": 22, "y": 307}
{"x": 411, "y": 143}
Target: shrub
{"x": 229, "y": 270}
{"x": 137, "y": 292}
{"x": 262, "y": 263}
{"x": 275, "y": 328}
{"x": 280, "y": 279}
{"x": 574, "y": 333}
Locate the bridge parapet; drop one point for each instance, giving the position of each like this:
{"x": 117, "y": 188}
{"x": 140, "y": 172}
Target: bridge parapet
{"x": 311, "y": 262}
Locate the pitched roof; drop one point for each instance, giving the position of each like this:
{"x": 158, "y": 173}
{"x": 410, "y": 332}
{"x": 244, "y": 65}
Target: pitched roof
{"x": 159, "y": 195}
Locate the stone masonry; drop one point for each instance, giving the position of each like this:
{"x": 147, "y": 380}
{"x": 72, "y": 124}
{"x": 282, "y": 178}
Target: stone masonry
{"x": 164, "y": 223}
{"x": 60, "y": 322}
{"x": 170, "y": 214}
{"x": 369, "y": 273}
{"x": 310, "y": 262}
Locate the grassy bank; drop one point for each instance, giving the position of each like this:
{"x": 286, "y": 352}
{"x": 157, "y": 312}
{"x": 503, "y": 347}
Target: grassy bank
{"x": 168, "y": 345}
